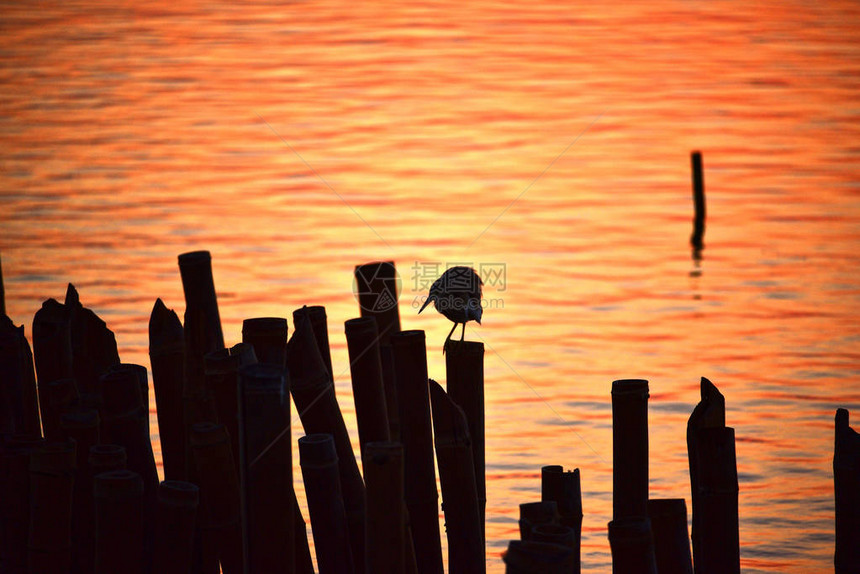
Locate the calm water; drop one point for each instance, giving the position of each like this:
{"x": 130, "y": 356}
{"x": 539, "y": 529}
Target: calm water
{"x": 296, "y": 141}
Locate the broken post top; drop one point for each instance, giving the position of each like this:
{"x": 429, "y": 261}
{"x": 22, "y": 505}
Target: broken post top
{"x": 711, "y": 410}
{"x": 165, "y": 331}
{"x": 304, "y": 359}
{"x": 450, "y": 427}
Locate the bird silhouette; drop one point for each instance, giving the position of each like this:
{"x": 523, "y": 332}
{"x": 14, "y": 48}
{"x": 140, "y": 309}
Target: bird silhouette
{"x": 457, "y": 296}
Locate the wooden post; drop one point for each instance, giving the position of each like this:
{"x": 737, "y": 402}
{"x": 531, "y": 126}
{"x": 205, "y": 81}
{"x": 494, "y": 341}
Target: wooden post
{"x": 465, "y": 371}
{"x": 140, "y": 372}
{"x": 558, "y": 534}
{"x": 82, "y": 426}
{"x": 313, "y": 392}
{"x": 124, "y": 423}
{"x": 846, "y": 490}
{"x": 2, "y": 291}
{"x": 422, "y": 499}
{"x": 671, "y": 542}
{"x": 632, "y": 546}
{"x": 376, "y": 287}
{"x": 532, "y": 557}
{"x": 222, "y": 383}
{"x": 268, "y": 337}
{"x": 266, "y": 469}
{"x": 106, "y": 458}
{"x": 94, "y": 348}
{"x": 535, "y": 513}
{"x": 218, "y": 515}
{"x": 52, "y": 342}
{"x": 52, "y": 474}
{"x": 19, "y": 403}
{"x": 325, "y": 504}
{"x": 457, "y": 476}
{"x": 167, "y": 358}
{"x": 176, "y": 516}
{"x": 564, "y": 489}
{"x": 696, "y": 240}
{"x": 710, "y": 412}
{"x": 55, "y": 398}
{"x": 319, "y": 323}
{"x": 119, "y": 522}
{"x": 15, "y": 501}
{"x": 629, "y": 448}
{"x": 718, "y": 502}
{"x": 386, "y": 520}
{"x": 362, "y": 341}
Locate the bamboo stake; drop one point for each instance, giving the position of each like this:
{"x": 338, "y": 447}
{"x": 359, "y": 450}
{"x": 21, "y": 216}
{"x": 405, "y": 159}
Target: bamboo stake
{"x": 167, "y": 358}
{"x": 15, "y": 501}
{"x": 718, "y": 502}
{"x": 140, "y": 372}
{"x": 558, "y": 534}
{"x": 671, "y": 542}
{"x": 52, "y": 473}
{"x": 531, "y": 557}
{"x": 266, "y": 469}
{"x": 222, "y": 382}
{"x": 629, "y": 448}
{"x": 376, "y": 287}
{"x": 319, "y": 323}
{"x": 325, "y": 504}
{"x": 313, "y": 393}
{"x": 386, "y": 513}
{"x": 710, "y": 412}
{"x": 564, "y": 488}
{"x": 268, "y": 336}
{"x": 535, "y": 513}
{"x": 82, "y": 426}
{"x": 19, "y": 403}
{"x": 119, "y": 522}
{"x": 176, "y": 517}
{"x": 422, "y": 499}
{"x": 219, "y": 514}
{"x": 696, "y": 240}
{"x": 55, "y": 398}
{"x": 632, "y": 546}
{"x": 846, "y": 490}
{"x": 457, "y": 476}
{"x": 94, "y": 348}
{"x": 52, "y": 342}
{"x": 465, "y": 371}
{"x": 362, "y": 341}
{"x": 106, "y": 458}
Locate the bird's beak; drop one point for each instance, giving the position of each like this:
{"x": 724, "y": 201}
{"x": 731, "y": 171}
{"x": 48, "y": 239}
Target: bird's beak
{"x": 426, "y": 302}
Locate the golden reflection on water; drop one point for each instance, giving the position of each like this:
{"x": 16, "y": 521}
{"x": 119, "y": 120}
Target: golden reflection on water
{"x": 295, "y": 141}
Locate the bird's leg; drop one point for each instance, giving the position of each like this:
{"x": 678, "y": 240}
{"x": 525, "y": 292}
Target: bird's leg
{"x": 448, "y": 339}
{"x": 463, "y": 333}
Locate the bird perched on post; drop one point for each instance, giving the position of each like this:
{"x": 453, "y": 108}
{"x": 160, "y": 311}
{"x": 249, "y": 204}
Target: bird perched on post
{"x": 457, "y": 295}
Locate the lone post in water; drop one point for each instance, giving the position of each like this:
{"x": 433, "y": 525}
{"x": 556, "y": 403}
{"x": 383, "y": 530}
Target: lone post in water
{"x": 696, "y": 240}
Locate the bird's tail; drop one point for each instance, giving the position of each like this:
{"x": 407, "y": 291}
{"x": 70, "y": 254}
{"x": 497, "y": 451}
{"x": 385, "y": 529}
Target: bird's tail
{"x": 426, "y": 302}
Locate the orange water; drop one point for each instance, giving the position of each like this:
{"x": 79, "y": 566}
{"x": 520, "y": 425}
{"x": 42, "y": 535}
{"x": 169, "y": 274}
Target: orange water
{"x": 295, "y": 141}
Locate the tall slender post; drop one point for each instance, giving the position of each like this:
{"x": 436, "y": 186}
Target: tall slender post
{"x": 465, "y": 371}
{"x": 167, "y": 358}
{"x": 266, "y": 469}
{"x": 696, "y": 240}
{"x": 710, "y": 412}
{"x": 19, "y": 403}
{"x": 219, "y": 514}
{"x": 376, "y": 287}
{"x": 175, "y": 519}
{"x": 671, "y": 542}
{"x": 319, "y": 324}
{"x": 565, "y": 490}
{"x": 52, "y": 342}
{"x": 119, "y": 522}
{"x": 718, "y": 502}
{"x": 630, "y": 448}
{"x": 422, "y": 499}
{"x": 94, "y": 348}
{"x": 459, "y": 493}
{"x": 846, "y": 490}
{"x": 313, "y": 393}
{"x": 386, "y": 520}
{"x": 325, "y": 504}
{"x": 362, "y": 341}
{"x": 52, "y": 474}
{"x": 83, "y": 427}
